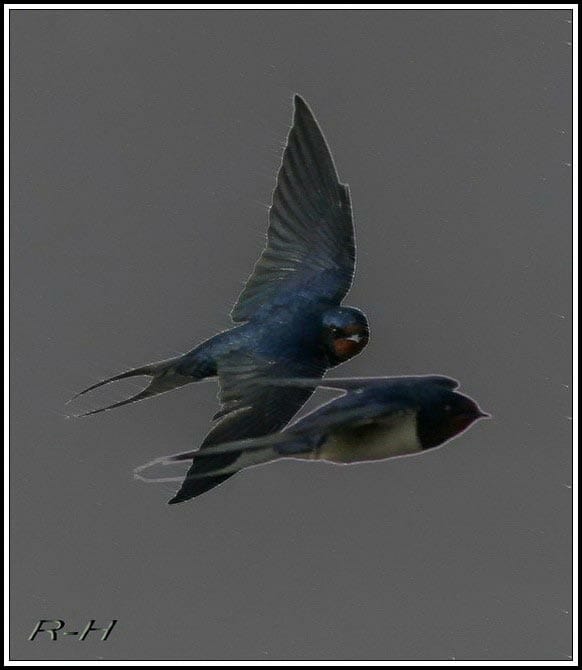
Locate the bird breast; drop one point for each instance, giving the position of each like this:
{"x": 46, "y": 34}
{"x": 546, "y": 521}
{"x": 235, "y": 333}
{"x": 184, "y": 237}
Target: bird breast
{"x": 372, "y": 441}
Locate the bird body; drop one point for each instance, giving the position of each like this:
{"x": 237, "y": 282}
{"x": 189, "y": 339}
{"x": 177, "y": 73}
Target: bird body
{"x": 288, "y": 321}
{"x": 376, "y": 419}
{"x": 371, "y": 441}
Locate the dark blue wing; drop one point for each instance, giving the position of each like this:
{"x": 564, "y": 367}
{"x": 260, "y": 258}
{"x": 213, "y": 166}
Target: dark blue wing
{"x": 310, "y": 250}
{"x": 248, "y": 410}
{"x": 351, "y": 409}
{"x": 355, "y": 383}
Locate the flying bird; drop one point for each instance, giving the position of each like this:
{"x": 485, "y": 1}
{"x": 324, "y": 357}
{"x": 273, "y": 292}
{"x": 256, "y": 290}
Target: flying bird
{"x": 376, "y": 419}
{"x": 288, "y": 320}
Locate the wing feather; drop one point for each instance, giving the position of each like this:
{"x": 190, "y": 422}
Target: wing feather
{"x": 310, "y": 239}
{"x": 248, "y": 410}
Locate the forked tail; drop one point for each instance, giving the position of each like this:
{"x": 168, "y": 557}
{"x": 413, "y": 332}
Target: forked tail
{"x": 166, "y": 376}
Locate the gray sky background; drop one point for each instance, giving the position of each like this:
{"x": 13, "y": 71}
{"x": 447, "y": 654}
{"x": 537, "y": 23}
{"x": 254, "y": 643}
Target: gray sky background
{"x": 144, "y": 146}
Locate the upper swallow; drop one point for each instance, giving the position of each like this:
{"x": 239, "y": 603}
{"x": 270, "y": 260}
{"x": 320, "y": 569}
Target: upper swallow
{"x": 288, "y": 320}
{"x": 376, "y": 419}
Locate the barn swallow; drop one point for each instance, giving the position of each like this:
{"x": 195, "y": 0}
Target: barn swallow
{"x": 288, "y": 320}
{"x": 376, "y": 419}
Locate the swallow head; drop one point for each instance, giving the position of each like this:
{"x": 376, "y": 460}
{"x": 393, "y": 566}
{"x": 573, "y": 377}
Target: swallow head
{"x": 446, "y": 417}
{"x": 345, "y": 333}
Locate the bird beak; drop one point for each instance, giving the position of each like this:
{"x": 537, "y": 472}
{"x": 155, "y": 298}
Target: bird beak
{"x": 483, "y": 415}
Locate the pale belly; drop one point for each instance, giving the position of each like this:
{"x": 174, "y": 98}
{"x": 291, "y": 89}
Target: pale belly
{"x": 371, "y": 442}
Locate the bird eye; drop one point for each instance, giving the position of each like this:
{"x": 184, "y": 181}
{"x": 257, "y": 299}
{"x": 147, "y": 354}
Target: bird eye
{"x": 447, "y": 408}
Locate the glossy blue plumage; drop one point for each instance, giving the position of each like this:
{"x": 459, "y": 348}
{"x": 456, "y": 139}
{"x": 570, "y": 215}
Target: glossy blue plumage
{"x": 287, "y": 320}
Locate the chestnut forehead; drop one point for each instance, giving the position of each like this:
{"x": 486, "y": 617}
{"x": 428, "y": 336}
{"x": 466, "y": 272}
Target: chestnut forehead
{"x": 345, "y": 348}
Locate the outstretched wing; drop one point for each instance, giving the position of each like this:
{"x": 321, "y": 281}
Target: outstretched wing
{"x": 249, "y": 409}
{"x": 355, "y": 383}
{"x": 310, "y": 248}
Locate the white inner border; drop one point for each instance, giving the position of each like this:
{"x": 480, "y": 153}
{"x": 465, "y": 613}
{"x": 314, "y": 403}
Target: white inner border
{"x": 532, "y": 6}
